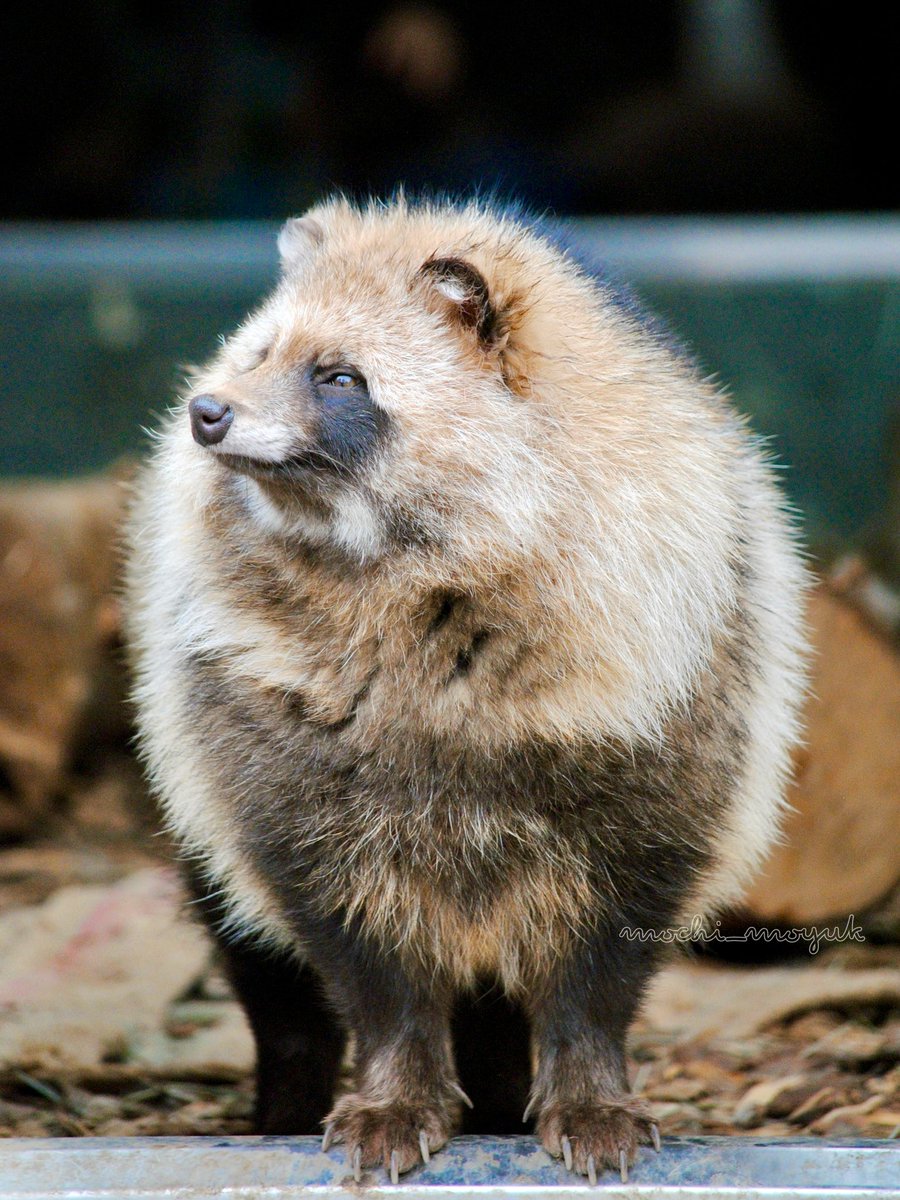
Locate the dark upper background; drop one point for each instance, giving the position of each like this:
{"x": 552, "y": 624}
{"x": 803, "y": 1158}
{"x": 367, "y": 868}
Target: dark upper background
{"x": 252, "y": 108}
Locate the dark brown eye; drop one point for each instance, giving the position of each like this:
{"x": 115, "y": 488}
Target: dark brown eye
{"x": 343, "y": 379}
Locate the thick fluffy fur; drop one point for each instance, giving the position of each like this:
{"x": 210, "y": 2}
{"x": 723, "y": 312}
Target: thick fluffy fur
{"x": 454, "y": 663}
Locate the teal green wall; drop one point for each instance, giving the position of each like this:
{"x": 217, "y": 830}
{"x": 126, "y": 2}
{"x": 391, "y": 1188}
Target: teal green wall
{"x": 91, "y": 349}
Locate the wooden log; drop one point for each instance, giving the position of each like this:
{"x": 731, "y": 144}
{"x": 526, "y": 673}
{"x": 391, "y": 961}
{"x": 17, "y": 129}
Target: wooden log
{"x": 841, "y": 852}
{"x": 59, "y": 621}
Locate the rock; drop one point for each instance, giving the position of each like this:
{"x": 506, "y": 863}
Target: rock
{"x": 676, "y": 1118}
{"x": 773, "y": 1129}
{"x": 221, "y": 1048}
{"x": 678, "y": 1090}
{"x": 731, "y": 1003}
{"x": 771, "y": 1097}
{"x": 887, "y": 1117}
{"x": 101, "y": 1108}
{"x": 839, "y": 1120}
{"x": 813, "y": 1025}
{"x": 89, "y": 973}
{"x": 852, "y": 1046}
{"x": 819, "y": 1103}
{"x": 663, "y": 1111}
{"x": 887, "y": 1085}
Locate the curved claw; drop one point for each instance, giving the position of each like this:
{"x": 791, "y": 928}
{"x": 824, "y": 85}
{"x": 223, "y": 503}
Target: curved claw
{"x": 423, "y": 1146}
{"x": 529, "y": 1109}
{"x": 454, "y": 1087}
{"x": 327, "y": 1137}
{"x": 567, "y": 1151}
{"x": 655, "y": 1138}
{"x": 395, "y": 1167}
{"x": 623, "y": 1165}
{"x": 357, "y": 1164}
{"x": 591, "y": 1170}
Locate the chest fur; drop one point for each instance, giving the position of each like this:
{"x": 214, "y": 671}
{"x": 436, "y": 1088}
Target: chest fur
{"x": 357, "y": 768}
{"x": 461, "y": 859}
{"x": 457, "y": 859}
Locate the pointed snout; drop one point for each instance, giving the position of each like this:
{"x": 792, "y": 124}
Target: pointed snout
{"x": 210, "y": 419}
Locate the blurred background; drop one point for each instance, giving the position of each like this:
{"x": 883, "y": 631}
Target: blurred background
{"x": 729, "y": 158}
{"x": 234, "y": 115}
{"x": 248, "y": 108}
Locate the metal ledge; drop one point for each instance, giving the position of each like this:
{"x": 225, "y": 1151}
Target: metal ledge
{"x": 202, "y": 1168}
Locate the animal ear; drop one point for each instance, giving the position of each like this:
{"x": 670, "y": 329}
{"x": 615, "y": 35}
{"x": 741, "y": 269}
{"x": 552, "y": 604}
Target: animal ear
{"x": 463, "y": 293}
{"x": 298, "y": 238}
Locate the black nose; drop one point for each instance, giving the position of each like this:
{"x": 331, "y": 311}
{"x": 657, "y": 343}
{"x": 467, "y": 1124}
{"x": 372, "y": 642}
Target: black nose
{"x": 209, "y": 419}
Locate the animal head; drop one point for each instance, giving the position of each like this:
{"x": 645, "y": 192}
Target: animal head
{"x": 396, "y": 388}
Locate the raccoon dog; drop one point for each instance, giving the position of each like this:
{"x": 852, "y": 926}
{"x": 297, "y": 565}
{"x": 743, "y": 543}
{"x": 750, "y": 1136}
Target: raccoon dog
{"x": 466, "y": 627}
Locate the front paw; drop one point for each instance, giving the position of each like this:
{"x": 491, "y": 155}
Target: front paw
{"x": 593, "y": 1137}
{"x": 397, "y": 1135}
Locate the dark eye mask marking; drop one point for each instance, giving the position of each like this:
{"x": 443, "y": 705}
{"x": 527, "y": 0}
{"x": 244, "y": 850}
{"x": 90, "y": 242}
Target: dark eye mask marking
{"x": 350, "y": 425}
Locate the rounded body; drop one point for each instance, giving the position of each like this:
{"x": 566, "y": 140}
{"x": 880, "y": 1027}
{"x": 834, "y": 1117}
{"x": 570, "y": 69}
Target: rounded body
{"x": 466, "y": 626}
